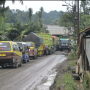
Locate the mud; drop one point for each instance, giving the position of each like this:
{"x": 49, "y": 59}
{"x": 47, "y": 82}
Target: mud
{"x": 61, "y": 69}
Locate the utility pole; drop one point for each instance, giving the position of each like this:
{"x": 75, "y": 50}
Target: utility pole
{"x": 78, "y": 23}
{"x": 77, "y": 9}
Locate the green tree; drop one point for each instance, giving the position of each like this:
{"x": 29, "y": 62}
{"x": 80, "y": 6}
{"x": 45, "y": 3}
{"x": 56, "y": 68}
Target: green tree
{"x": 85, "y": 5}
{"x": 30, "y": 14}
{"x": 40, "y": 17}
{"x": 3, "y": 8}
{"x": 12, "y": 32}
{"x": 40, "y": 14}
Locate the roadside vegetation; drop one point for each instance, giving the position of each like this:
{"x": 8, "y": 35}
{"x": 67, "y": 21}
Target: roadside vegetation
{"x": 69, "y": 82}
{"x": 72, "y": 56}
{"x": 17, "y": 22}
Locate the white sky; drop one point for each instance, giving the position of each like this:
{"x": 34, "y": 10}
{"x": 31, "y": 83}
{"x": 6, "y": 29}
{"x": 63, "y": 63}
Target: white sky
{"x": 35, "y": 5}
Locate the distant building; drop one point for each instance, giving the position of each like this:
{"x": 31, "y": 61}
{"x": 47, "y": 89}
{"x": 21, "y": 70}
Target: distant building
{"x": 58, "y": 31}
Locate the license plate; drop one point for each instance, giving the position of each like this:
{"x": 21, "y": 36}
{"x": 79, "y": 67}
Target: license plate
{"x": 2, "y": 54}
{"x": 30, "y": 54}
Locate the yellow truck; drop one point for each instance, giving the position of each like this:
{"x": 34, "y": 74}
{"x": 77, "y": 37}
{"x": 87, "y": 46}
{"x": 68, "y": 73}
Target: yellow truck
{"x": 48, "y": 42}
{"x": 41, "y": 50}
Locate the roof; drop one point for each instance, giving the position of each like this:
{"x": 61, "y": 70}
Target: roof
{"x": 57, "y": 30}
{"x": 21, "y": 42}
{"x": 9, "y": 42}
{"x": 86, "y": 31}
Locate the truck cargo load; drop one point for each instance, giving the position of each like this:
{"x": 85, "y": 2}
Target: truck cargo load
{"x": 48, "y": 42}
{"x": 33, "y": 38}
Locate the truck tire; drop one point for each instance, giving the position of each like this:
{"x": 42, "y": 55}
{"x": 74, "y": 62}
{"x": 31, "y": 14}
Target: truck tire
{"x": 21, "y": 63}
{"x": 69, "y": 49}
{"x": 15, "y": 64}
{"x": 2, "y": 66}
{"x": 49, "y": 52}
{"x": 25, "y": 61}
{"x": 34, "y": 57}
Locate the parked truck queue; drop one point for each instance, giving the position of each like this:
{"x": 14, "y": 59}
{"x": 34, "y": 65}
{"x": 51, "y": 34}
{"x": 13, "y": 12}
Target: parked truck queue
{"x": 22, "y": 50}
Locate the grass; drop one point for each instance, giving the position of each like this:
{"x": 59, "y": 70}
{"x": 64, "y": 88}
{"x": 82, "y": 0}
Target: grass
{"x": 57, "y": 81}
{"x": 69, "y": 82}
{"x": 85, "y": 83}
{"x": 72, "y": 63}
{"x": 72, "y": 56}
{"x": 68, "y": 68}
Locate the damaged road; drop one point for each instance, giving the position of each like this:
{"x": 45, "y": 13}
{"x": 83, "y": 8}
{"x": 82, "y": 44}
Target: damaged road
{"x": 30, "y": 75}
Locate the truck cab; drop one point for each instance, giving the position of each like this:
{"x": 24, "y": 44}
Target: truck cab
{"x": 64, "y": 44}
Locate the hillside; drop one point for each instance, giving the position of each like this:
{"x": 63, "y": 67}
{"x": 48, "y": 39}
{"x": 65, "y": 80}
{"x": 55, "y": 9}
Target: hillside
{"x": 17, "y": 15}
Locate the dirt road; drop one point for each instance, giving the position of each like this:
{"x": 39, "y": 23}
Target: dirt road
{"x": 30, "y": 74}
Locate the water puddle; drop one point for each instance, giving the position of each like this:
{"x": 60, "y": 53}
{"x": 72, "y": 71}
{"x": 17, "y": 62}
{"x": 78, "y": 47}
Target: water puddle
{"x": 46, "y": 85}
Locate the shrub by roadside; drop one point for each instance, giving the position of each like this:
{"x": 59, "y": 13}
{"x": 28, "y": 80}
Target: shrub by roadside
{"x": 68, "y": 82}
{"x": 72, "y": 56}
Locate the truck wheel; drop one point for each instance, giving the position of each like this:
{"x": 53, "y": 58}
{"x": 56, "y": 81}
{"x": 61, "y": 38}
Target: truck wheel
{"x": 21, "y": 63}
{"x": 28, "y": 59}
{"x": 50, "y": 52}
{"x": 16, "y": 65}
{"x": 60, "y": 49}
{"x": 34, "y": 57}
{"x": 2, "y": 66}
{"x": 25, "y": 61}
{"x": 69, "y": 49}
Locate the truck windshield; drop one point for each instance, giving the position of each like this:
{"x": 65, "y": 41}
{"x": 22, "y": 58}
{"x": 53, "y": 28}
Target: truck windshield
{"x": 5, "y": 46}
{"x": 29, "y": 44}
{"x": 64, "y": 41}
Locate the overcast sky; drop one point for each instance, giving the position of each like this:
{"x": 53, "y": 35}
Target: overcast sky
{"x": 35, "y": 5}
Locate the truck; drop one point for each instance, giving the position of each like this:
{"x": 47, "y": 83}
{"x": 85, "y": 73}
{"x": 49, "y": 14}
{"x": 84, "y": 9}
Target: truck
{"x": 32, "y": 37}
{"x": 64, "y": 44}
{"x": 48, "y": 41}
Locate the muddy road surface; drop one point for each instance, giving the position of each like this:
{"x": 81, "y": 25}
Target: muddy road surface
{"x": 29, "y": 75}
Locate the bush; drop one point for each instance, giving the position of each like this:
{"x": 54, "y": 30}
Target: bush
{"x": 72, "y": 56}
{"x": 69, "y": 82}
{"x": 72, "y": 63}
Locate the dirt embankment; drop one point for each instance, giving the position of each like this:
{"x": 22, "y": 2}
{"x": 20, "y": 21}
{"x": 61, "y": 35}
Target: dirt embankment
{"x": 61, "y": 69}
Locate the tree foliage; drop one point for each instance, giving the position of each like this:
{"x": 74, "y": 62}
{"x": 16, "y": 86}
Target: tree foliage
{"x": 30, "y": 13}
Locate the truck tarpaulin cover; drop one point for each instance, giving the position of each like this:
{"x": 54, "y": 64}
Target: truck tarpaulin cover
{"x": 33, "y": 38}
